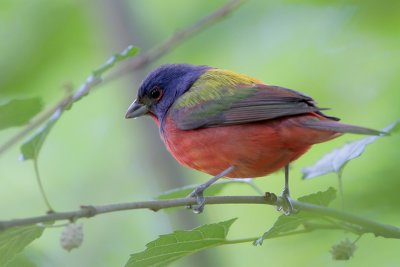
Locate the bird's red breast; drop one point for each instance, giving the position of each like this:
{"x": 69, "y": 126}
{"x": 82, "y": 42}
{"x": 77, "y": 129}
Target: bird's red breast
{"x": 255, "y": 149}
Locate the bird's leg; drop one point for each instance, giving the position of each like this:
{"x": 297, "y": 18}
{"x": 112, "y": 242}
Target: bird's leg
{"x": 198, "y": 191}
{"x": 286, "y": 206}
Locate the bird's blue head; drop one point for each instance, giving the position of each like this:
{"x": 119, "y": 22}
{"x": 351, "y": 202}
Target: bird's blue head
{"x": 162, "y": 87}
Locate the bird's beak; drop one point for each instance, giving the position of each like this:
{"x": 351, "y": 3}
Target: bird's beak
{"x": 136, "y": 110}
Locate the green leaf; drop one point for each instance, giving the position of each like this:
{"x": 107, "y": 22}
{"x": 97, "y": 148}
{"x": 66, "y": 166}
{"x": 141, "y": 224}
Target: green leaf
{"x": 320, "y": 198}
{"x": 31, "y": 148}
{"x": 19, "y": 111}
{"x": 339, "y": 157}
{"x": 14, "y": 240}
{"x": 21, "y": 260}
{"x": 171, "y": 247}
{"x": 282, "y": 225}
{"x": 213, "y": 190}
{"x": 286, "y": 224}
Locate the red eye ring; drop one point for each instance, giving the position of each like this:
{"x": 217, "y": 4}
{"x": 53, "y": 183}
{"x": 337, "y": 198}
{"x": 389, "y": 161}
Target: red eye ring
{"x": 156, "y": 93}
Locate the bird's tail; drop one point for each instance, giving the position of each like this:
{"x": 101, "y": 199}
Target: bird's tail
{"x": 334, "y": 126}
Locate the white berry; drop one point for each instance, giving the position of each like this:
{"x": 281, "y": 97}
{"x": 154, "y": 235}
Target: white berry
{"x": 72, "y": 236}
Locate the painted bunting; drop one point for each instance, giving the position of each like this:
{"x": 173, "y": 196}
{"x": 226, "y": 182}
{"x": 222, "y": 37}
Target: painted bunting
{"x": 231, "y": 125}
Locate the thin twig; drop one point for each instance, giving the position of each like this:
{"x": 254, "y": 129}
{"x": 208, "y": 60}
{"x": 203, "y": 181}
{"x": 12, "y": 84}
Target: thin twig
{"x": 136, "y": 63}
{"x": 368, "y": 226}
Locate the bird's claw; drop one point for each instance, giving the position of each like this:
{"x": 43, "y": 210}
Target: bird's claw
{"x": 201, "y": 201}
{"x": 198, "y": 192}
{"x": 285, "y": 204}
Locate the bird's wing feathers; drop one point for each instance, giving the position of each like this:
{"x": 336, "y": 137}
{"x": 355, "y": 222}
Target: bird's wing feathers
{"x": 334, "y": 126}
{"x": 221, "y": 97}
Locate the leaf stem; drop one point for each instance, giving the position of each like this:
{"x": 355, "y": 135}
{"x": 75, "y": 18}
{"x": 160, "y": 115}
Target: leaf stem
{"x": 378, "y": 229}
{"x": 252, "y": 239}
{"x": 39, "y": 182}
{"x": 238, "y": 241}
{"x": 356, "y": 229}
{"x": 340, "y": 186}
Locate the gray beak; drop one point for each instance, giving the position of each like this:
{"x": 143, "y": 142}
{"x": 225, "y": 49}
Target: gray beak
{"x": 136, "y": 110}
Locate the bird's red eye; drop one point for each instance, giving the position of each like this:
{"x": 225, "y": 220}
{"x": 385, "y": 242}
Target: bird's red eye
{"x": 156, "y": 93}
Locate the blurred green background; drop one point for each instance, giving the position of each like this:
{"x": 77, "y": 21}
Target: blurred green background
{"x": 346, "y": 54}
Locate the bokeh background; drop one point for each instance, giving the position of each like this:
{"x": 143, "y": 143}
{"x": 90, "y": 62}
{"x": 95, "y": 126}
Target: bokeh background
{"x": 346, "y": 54}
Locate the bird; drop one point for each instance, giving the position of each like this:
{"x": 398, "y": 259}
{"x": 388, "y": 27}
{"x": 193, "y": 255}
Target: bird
{"x": 231, "y": 125}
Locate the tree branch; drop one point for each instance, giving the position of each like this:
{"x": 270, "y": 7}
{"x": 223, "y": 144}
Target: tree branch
{"x": 367, "y": 226}
{"x": 136, "y": 63}
{"x": 179, "y": 36}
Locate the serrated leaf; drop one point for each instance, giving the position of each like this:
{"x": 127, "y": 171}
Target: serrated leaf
{"x": 171, "y": 247}
{"x": 14, "y": 240}
{"x": 18, "y": 112}
{"x": 282, "y": 224}
{"x": 286, "y": 224}
{"x": 339, "y": 157}
{"x": 320, "y": 198}
{"x": 31, "y": 148}
{"x": 213, "y": 190}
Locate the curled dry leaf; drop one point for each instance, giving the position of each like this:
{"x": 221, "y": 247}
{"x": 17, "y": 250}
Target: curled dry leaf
{"x": 335, "y": 161}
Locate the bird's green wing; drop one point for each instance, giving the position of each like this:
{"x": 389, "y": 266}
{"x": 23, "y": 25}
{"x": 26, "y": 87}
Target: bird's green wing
{"x": 221, "y": 97}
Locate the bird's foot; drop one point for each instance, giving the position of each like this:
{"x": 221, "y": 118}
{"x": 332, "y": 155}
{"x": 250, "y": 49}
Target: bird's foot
{"x": 285, "y": 204}
{"x": 198, "y": 193}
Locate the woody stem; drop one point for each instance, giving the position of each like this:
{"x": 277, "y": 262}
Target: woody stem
{"x": 367, "y": 226}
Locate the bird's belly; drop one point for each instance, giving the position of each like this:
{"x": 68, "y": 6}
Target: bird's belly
{"x": 255, "y": 149}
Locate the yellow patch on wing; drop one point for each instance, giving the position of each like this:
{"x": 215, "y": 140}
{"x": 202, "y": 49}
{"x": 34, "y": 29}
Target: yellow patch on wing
{"x": 230, "y": 77}
{"x": 214, "y": 84}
